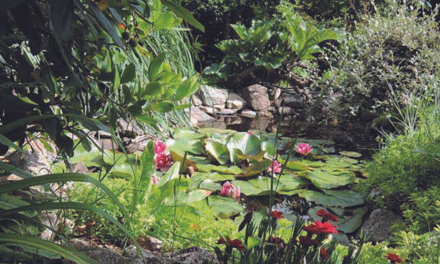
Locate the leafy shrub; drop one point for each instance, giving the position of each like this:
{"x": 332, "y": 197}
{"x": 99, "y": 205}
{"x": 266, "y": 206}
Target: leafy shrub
{"x": 391, "y": 57}
{"x": 407, "y": 164}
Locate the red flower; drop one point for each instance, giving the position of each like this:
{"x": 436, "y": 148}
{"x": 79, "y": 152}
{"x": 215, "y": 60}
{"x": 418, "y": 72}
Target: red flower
{"x": 275, "y": 168}
{"x": 321, "y": 228}
{"x": 323, "y": 253}
{"x": 307, "y": 242}
{"x": 250, "y": 133}
{"x": 159, "y": 147}
{"x": 303, "y": 148}
{"x": 275, "y": 240}
{"x": 276, "y": 214}
{"x": 327, "y": 216}
{"x": 393, "y": 258}
{"x": 229, "y": 190}
{"x": 236, "y": 243}
{"x": 163, "y": 162}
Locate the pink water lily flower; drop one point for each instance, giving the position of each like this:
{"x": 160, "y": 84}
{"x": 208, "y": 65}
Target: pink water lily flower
{"x": 163, "y": 162}
{"x": 250, "y": 133}
{"x": 303, "y": 148}
{"x": 275, "y": 168}
{"x": 159, "y": 147}
{"x": 229, "y": 190}
{"x": 155, "y": 180}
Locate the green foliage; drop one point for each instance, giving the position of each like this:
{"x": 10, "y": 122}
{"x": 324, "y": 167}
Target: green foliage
{"x": 388, "y": 62}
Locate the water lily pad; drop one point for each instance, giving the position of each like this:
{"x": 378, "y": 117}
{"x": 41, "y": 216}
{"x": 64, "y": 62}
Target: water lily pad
{"x": 291, "y": 183}
{"x": 340, "y": 161}
{"x": 172, "y": 173}
{"x": 248, "y": 144}
{"x": 180, "y": 146}
{"x": 196, "y": 179}
{"x": 256, "y": 187}
{"x": 340, "y": 198}
{"x": 224, "y": 207}
{"x": 325, "y": 180}
{"x": 187, "y": 134}
{"x": 210, "y": 185}
{"x": 269, "y": 148}
{"x": 188, "y": 163}
{"x": 255, "y": 169}
{"x": 218, "y": 151}
{"x": 296, "y": 166}
{"x": 349, "y": 224}
{"x": 217, "y": 177}
{"x": 351, "y": 154}
{"x": 197, "y": 195}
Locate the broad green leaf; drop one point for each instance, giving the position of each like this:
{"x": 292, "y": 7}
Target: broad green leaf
{"x": 180, "y": 146}
{"x": 325, "y": 180}
{"x": 210, "y": 185}
{"x": 187, "y": 88}
{"x": 183, "y": 13}
{"x": 172, "y": 173}
{"x": 162, "y": 106}
{"x": 128, "y": 74}
{"x": 164, "y": 20}
{"x": 248, "y": 144}
{"x": 349, "y": 224}
{"x": 5, "y": 141}
{"x": 224, "y": 207}
{"x": 269, "y": 148}
{"x": 219, "y": 151}
{"x": 296, "y": 166}
{"x": 154, "y": 88}
{"x": 351, "y": 154}
{"x": 289, "y": 184}
{"x": 197, "y": 195}
{"x": 256, "y": 187}
{"x": 188, "y": 163}
{"x": 155, "y": 66}
{"x": 218, "y": 177}
{"x": 187, "y": 134}
{"x": 255, "y": 169}
{"x": 340, "y": 198}
{"x": 146, "y": 119}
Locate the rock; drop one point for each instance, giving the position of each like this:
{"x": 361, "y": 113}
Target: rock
{"x": 265, "y": 113}
{"x": 277, "y": 102}
{"x": 377, "y": 226}
{"x": 80, "y": 168}
{"x": 187, "y": 256}
{"x": 130, "y": 130}
{"x": 108, "y": 144}
{"x": 256, "y": 96}
{"x": 207, "y": 109}
{"x": 138, "y": 144}
{"x": 248, "y": 113}
{"x": 196, "y": 100}
{"x": 101, "y": 255}
{"x": 296, "y": 101}
{"x": 287, "y": 118}
{"x": 198, "y": 116}
{"x": 48, "y": 219}
{"x": 235, "y": 102}
{"x": 236, "y": 120}
{"x": 259, "y": 124}
{"x": 274, "y": 94}
{"x": 228, "y": 111}
{"x": 211, "y": 96}
{"x": 212, "y": 124}
{"x": 285, "y": 110}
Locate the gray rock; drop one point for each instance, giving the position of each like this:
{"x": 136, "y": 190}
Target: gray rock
{"x": 196, "y": 100}
{"x": 108, "y": 144}
{"x": 236, "y": 120}
{"x": 198, "y": 116}
{"x": 259, "y": 124}
{"x": 274, "y": 94}
{"x": 228, "y": 111}
{"x": 377, "y": 226}
{"x": 127, "y": 129}
{"x": 265, "y": 113}
{"x": 235, "y": 101}
{"x": 296, "y": 101}
{"x": 208, "y": 109}
{"x": 211, "y": 96}
{"x": 286, "y": 110}
{"x": 256, "y": 96}
{"x": 248, "y": 113}
{"x": 138, "y": 144}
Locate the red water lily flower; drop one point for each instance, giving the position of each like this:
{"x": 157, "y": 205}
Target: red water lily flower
{"x": 321, "y": 228}
{"x": 163, "y": 162}
{"x": 229, "y": 190}
{"x": 250, "y": 133}
{"x": 276, "y": 214}
{"x": 326, "y": 216}
{"x": 159, "y": 147}
{"x": 303, "y": 148}
{"x": 307, "y": 241}
{"x": 275, "y": 167}
{"x": 236, "y": 243}
{"x": 393, "y": 258}
{"x": 323, "y": 253}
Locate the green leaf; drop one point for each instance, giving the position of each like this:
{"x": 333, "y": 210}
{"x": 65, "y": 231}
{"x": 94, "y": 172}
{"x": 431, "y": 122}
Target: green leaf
{"x": 105, "y": 24}
{"x": 154, "y": 88}
{"x": 15, "y": 170}
{"x": 187, "y": 88}
{"x": 349, "y": 224}
{"x": 61, "y": 13}
{"x": 5, "y": 141}
{"x": 325, "y": 180}
{"x": 68, "y": 253}
{"x": 164, "y": 21}
{"x": 180, "y": 146}
{"x": 146, "y": 119}
{"x": 224, "y": 207}
{"x": 248, "y": 144}
{"x": 290, "y": 184}
{"x": 256, "y": 187}
{"x": 128, "y": 74}
{"x": 219, "y": 151}
{"x": 255, "y": 169}
{"x": 155, "y": 66}
{"x": 340, "y": 198}
{"x": 351, "y": 154}
{"x": 183, "y": 13}
{"x": 162, "y": 107}
{"x": 187, "y": 134}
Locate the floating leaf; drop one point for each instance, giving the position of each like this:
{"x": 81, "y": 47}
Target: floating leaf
{"x": 351, "y": 154}
{"x": 180, "y": 146}
{"x": 187, "y": 134}
{"x": 291, "y": 183}
{"x": 256, "y": 187}
{"x": 341, "y": 198}
{"x": 325, "y": 180}
{"x": 210, "y": 185}
{"x": 219, "y": 151}
{"x": 248, "y": 144}
{"x": 349, "y": 224}
{"x": 224, "y": 207}
{"x": 197, "y": 195}
{"x": 217, "y": 177}
{"x": 270, "y": 151}
{"x": 255, "y": 169}
{"x": 188, "y": 163}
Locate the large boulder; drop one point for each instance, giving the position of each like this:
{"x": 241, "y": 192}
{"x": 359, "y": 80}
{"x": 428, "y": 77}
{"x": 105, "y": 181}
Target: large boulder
{"x": 235, "y": 101}
{"x": 296, "y": 101}
{"x": 257, "y": 97}
{"x": 377, "y": 227}
{"x": 211, "y": 96}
